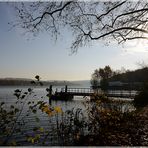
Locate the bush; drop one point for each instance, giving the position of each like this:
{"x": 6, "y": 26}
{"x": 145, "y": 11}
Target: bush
{"x": 141, "y": 99}
{"x": 110, "y": 124}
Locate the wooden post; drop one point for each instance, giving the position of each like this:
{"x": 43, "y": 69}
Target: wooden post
{"x": 50, "y": 94}
{"x": 65, "y": 88}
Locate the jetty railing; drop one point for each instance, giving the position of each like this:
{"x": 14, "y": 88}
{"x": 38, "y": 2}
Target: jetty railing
{"x": 71, "y": 92}
{"x": 77, "y": 90}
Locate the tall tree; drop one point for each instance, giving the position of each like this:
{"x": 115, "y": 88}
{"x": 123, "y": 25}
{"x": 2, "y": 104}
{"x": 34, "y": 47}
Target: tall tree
{"x": 105, "y": 74}
{"x": 102, "y": 75}
{"x": 108, "y": 20}
{"x": 95, "y": 80}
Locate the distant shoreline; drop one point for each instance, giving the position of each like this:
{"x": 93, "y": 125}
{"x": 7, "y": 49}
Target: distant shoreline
{"x": 27, "y": 82}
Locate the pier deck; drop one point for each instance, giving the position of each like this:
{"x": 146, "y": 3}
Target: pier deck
{"x": 68, "y": 93}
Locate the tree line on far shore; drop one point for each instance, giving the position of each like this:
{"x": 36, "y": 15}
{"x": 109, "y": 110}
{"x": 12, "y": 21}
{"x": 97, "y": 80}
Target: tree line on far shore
{"x": 29, "y": 82}
{"x": 102, "y": 77}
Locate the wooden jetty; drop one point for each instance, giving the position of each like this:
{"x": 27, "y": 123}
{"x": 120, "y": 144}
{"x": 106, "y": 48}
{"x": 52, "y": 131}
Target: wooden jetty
{"x": 69, "y": 93}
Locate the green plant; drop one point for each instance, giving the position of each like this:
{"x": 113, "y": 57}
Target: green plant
{"x": 71, "y": 126}
{"x": 13, "y": 116}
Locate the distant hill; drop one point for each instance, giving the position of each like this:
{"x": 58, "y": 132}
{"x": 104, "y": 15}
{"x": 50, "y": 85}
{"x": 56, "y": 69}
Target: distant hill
{"x": 139, "y": 75}
{"x": 27, "y": 82}
{"x": 82, "y": 83}
{"x": 14, "y": 82}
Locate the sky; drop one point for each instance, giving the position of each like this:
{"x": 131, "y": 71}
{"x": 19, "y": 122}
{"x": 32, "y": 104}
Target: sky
{"x": 23, "y": 58}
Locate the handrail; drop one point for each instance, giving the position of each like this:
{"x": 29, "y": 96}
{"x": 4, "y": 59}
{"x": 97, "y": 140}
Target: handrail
{"x": 86, "y": 90}
{"x": 78, "y": 90}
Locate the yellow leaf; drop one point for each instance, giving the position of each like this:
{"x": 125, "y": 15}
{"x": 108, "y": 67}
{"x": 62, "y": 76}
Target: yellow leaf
{"x": 41, "y": 129}
{"x": 13, "y": 143}
{"x": 29, "y": 139}
{"x": 49, "y": 112}
{"x": 58, "y": 109}
{"x": 37, "y": 136}
{"x": 32, "y": 140}
{"x": 45, "y": 108}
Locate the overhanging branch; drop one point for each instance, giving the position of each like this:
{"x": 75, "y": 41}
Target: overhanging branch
{"x": 118, "y": 29}
{"x": 128, "y": 13}
{"x": 49, "y": 13}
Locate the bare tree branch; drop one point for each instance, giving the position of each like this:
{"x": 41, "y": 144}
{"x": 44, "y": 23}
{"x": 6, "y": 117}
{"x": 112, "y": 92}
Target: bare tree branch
{"x": 50, "y": 13}
{"x": 128, "y": 13}
{"x": 116, "y": 6}
{"x": 115, "y": 30}
{"x": 111, "y": 20}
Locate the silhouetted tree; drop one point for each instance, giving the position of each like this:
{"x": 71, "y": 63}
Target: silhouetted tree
{"x": 94, "y": 20}
{"x": 105, "y": 74}
{"x": 102, "y": 75}
{"x": 95, "y": 80}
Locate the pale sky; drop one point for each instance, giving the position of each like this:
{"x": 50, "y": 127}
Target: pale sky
{"x": 51, "y": 60}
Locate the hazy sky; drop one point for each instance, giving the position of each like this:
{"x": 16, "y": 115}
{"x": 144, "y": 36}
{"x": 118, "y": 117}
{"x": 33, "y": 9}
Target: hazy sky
{"x": 24, "y": 58}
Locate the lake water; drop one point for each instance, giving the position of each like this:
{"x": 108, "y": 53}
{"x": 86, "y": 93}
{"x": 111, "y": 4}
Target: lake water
{"x": 6, "y": 95}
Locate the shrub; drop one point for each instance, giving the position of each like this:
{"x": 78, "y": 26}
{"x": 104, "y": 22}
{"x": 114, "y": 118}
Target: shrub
{"x": 110, "y": 125}
{"x": 141, "y": 99}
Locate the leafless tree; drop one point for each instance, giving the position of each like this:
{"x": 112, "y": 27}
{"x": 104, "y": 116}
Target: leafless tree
{"x": 88, "y": 20}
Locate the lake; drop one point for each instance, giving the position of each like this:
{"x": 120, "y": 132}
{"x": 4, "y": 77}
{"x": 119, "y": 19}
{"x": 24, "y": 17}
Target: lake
{"x": 7, "y": 96}
{"x": 48, "y": 123}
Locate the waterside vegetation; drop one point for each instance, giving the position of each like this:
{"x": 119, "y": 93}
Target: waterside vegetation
{"x": 105, "y": 122}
